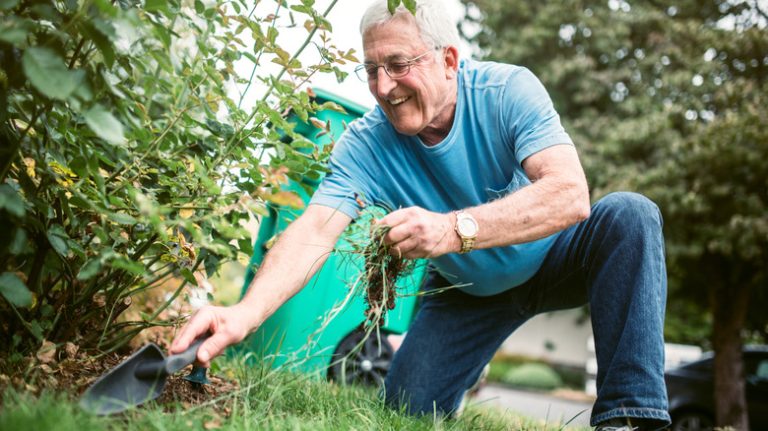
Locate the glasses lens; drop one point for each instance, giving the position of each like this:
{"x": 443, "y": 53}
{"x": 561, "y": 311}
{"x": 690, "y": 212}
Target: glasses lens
{"x": 362, "y": 72}
{"x": 398, "y": 70}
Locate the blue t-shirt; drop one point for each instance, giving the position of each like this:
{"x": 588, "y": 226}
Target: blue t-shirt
{"x": 503, "y": 115}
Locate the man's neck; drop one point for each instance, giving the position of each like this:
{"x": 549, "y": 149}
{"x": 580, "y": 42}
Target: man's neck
{"x": 439, "y": 129}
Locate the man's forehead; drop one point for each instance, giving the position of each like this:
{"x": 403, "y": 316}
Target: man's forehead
{"x": 394, "y": 56}
{"x": 392, "y": 49}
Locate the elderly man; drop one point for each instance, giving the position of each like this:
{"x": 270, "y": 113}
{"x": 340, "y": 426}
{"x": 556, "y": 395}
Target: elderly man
{"x": 490, "y": 188}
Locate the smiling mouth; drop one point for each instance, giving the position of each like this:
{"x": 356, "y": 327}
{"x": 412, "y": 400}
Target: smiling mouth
{"x": 398, "y": 101}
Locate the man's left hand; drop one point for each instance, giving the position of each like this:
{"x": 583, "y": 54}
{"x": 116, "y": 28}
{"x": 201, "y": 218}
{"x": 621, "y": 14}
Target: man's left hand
{"x": 418, "y": 233}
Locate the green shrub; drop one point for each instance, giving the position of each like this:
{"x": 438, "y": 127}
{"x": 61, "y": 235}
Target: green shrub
{"x": 125, "y": 160}
{"x": 533, "y": 376}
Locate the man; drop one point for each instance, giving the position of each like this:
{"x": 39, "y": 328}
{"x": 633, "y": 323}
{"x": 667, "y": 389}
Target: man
{"x": 490, "y": 188}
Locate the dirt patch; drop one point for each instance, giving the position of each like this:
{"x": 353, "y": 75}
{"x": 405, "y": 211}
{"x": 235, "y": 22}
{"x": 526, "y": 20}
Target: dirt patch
{"x": 186, "y": 394}
{"x": 74, "y": 375}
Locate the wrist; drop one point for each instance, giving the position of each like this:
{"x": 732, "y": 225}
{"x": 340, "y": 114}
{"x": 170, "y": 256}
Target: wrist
{"x": 466, "y": 228}
{"x": 247, "y": 313}
{"x": 454, "y": 238}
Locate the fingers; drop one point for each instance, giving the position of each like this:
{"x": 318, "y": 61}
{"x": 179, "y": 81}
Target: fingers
{"x": 403, "y": 224}
{"x": 212, "y": 347}
{"x": 417, "y": 233}
{"x": 397, "y": 217}
{"x": 202, "y": 322}
{"x": 227, "y": 325}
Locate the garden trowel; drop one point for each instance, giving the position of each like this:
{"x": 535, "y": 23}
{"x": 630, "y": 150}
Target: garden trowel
{"x": 138, "y": 379}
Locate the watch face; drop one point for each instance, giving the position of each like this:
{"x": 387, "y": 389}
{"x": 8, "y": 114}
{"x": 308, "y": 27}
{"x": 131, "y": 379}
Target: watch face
{"x": 466, "y": 226}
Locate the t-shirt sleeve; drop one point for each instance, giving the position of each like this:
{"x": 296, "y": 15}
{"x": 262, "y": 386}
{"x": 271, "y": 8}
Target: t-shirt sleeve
{"x": 528, "y": 118}
{"x": 347, "y": 183}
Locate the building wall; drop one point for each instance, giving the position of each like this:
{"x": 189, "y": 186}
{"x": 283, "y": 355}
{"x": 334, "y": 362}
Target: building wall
{"x": 565, "y": 338}
{"x": 559, "y": 337}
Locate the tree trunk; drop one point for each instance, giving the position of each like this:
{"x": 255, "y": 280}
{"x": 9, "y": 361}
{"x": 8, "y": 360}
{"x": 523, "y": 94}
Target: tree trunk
{"x": 729, "y": 305}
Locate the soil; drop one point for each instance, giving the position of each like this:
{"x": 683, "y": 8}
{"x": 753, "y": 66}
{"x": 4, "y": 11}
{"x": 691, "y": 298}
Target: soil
{"x": 74, "y": 375}
{"x": 381, "y": 273}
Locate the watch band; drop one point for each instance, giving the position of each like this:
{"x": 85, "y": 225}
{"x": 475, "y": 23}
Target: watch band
{"x": 467, "y": 244}
{"x": 467, "y": 238}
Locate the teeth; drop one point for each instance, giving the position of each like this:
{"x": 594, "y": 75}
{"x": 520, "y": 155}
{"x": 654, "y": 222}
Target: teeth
{"x": 399, "y": 100}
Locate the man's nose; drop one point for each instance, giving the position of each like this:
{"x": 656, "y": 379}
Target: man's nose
{"x": 384, "y": 84}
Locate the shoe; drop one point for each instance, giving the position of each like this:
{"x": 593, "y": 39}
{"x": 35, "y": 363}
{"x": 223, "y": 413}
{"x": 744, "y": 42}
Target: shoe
{"x": 602, "y": 427}
{"x": 631, "y": 424}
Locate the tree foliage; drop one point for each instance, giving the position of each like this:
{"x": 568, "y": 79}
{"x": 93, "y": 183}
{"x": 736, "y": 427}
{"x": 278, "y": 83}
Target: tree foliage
{"x": 666, "y": 98}
{"x": 127, "y": 157}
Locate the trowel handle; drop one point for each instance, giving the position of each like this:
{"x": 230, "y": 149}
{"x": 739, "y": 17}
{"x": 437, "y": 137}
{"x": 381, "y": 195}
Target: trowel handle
{"x": 174, "y": 363}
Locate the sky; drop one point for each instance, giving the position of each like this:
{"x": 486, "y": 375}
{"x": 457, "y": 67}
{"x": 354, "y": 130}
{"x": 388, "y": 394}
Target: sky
{"x": 345, "y": 19}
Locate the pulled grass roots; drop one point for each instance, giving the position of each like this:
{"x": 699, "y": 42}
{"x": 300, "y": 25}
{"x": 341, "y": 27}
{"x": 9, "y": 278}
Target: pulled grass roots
{"x": 382, "y": 270}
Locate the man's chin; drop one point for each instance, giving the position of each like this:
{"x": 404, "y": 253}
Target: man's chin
{"x": 405, "y": 129}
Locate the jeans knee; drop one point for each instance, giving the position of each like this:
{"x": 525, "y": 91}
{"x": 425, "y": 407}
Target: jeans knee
{"x": 416, "y": 395}
{"x": 410, "y": 401}
{"x": 631, "y": 208}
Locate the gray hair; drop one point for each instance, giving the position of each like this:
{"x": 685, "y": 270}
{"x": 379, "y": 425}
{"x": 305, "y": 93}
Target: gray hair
{"x": 436, "y": 26}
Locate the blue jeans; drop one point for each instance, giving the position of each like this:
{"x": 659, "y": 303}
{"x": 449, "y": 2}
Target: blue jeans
{"x": 613, "y": 261}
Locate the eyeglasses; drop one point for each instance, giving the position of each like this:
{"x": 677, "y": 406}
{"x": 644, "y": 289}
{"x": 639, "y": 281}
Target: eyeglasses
{"x": 395, "y": 69}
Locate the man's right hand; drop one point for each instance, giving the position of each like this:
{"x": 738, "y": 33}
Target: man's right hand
{"x": 227, "y": 325}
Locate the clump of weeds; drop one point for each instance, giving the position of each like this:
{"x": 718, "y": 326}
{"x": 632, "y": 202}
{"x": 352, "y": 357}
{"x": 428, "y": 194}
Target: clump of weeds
{"x": 381, "y": 271}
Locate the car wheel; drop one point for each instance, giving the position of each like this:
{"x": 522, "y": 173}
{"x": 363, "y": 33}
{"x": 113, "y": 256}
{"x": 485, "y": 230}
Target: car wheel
{"x": 361, "y": 360}
{"x": 692, "y": 421}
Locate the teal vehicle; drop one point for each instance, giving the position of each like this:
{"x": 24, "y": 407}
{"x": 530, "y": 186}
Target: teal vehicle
{"x": 319, "y": 331}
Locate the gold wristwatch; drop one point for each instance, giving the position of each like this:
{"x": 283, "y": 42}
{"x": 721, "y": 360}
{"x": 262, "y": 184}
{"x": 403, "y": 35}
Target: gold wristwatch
{"x": 467, "y": 228}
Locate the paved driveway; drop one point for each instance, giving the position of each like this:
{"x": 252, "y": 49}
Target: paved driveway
{"x": 553, "y": 410}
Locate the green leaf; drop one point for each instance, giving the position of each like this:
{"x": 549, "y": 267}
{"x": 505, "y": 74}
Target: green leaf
{"x": 58, "y": 240}
{"x": 157, "y": 5}
{"x": 324, "y": 23}
{"x": 410, "y": 5}
{"x": 302, "y": 9}
{"x": 11, "y": 201}
{"x": 14, "y": 290}
{"x": 187, "y": 274}
{"x": 8, "y": 4}
{"x": 37, "y": 329}
{"x": 129, "y": 265}
{"x": 19, "y": 242}
{"x": 91, "y": 268}
{"x": 122, "y": 218}
{"x": 95, "y": 264}
{"x": 105, "y": 125}
{"x": 105, "y": 6}
{"x": 101, "y": 36}
{"x": 79, "y": 200}
{"x": 48, "y": 73}
{"x": 15, "y": 30}
{"x": 392, "y": 5}
{"x": 245, "y": 246}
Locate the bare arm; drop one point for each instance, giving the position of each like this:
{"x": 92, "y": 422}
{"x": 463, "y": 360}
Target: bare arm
{"x": 557, "y": 198}
{"x": 299, "y": 252}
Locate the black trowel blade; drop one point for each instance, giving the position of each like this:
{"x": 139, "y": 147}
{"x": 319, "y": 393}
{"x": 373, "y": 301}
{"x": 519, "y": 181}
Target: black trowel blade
{"x": 121, "y": 388}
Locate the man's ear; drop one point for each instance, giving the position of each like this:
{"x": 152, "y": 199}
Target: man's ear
{"x": 451, "y": 61}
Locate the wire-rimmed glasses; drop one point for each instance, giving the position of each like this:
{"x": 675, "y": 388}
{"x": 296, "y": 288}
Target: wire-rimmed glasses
{"x": 394, "y": 69}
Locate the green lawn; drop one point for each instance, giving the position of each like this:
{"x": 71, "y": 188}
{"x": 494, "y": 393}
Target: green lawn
{"x": 266, "y": 400}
